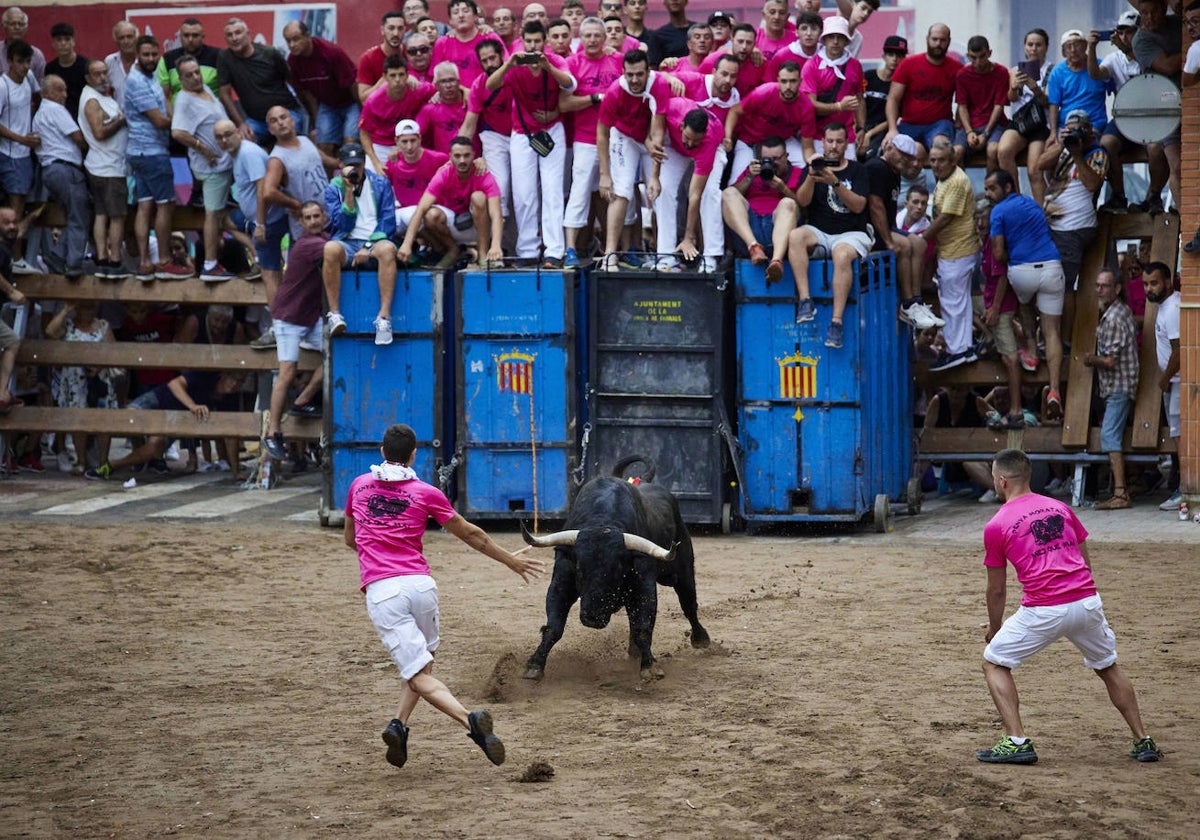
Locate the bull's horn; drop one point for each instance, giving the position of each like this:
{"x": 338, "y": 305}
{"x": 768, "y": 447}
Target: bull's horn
{"x": 635, "y": 543}
{"x": 550, "y": 540}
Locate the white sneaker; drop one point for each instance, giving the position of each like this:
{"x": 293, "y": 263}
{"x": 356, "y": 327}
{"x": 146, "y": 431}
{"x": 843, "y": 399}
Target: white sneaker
{"x": 172, "y": 453}
{"x": 337, "y": 324}
{"x": 988, "y": 497}
{"x": 708, "y": 265}
{"x": 23, "y": 267}
{"x": 1054, "y": 486}
{"x": 1173, "y": 502}
{"x": 64, "y": 462}
{"x": 920, "y": 316}
{"x": 667, "y": 264}
{"x": 383, "y": 331}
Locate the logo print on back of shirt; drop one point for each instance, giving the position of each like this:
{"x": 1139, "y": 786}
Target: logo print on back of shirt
{"x": 1047, "y": 530}
{"x": 386, "y": 506}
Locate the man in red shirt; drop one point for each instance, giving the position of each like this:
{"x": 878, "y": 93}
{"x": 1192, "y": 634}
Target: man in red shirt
{"x": 919, "y": 102}
{"x": 741, "y": 47}
{"x": 323, "y": 76}
{"x": 370, "y": 65}
{"x": 981, "y": 92}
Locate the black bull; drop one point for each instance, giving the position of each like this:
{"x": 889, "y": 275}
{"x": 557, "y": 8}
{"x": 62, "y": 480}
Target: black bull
{"x": 619, "y": 541}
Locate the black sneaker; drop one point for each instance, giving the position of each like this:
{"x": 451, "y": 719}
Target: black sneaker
{"x": 275, "y": 448}
{"x": 307, "y": 410}
{"x": 1117, "y": 204}
{"x": 158, "y": 466}
{"x": 480, "y": 724}
{"x": 945, "y": 361}
{"x": 1145, "y": 750}
{"x": 396, "y": 738}
{"x": 1006, "y": 752}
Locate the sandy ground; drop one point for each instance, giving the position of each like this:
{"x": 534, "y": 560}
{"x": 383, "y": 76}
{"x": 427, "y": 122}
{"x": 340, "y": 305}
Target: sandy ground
{"x": 223, "y": 682}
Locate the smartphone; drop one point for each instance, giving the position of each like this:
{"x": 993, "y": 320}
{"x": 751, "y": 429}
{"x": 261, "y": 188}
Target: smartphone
{"x": 1032, "y": 69}
{"x": 529, "y": 58}
{"x": 1104, "y": 34}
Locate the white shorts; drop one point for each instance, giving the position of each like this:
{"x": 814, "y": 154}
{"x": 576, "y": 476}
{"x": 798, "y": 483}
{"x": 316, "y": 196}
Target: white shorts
{"x": 1044, "y": 279}
{"x": 404, "y": 611}
{"x": 859, "y": 240}
{"x": 1030, "y": 629}
{"x": 1171, "y": 404}
{"x": 625, "y": 155}
{"x": 289, "y": 336}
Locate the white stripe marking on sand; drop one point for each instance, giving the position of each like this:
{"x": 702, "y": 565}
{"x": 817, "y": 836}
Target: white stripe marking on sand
{"x": 233, "y": 503}
{"x": 120, "y": 496}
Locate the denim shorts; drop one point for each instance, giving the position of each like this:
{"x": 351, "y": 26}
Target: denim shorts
{"x": 153, "y": 178}
{"x": 16, "y": 174}
{"x": 925, "y": 134}
{"x": 960, "y": 136}
{"x": 1116, "y": 411}
{"x": 336, "y": 124}
{"x": 270, "y": 253}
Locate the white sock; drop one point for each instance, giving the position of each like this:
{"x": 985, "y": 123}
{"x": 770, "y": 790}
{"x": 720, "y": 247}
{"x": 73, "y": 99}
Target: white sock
{"x": 209, "y": 265}
{"x": 1016, "y": 740}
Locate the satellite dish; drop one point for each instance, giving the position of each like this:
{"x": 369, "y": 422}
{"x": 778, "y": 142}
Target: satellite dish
{"x": 1147, "y": 109}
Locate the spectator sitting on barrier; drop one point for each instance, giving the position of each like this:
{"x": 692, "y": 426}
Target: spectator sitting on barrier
{"x": 193, "y": 391}
{"x": 1000, "y": 304}
{"x": 953, "y": 228}
{"x": 835, "y": 192}
{"x": 1116, "y": 364}
{"x": 362, "y": 217}
{"x": 1022, "y": 242}
{"x": 410, "y": 172}
{"x": 1119, "y": 66}
{"x": 461, "y": 205}
{"x": 1158, "y": 47}
{"x": 899, "y": 157}
{"x": 10, "y": 342}
{"x": 981, "y": 92}
{"x": 1022, "y": 89}
{"x": 1160, "y": 289}
{"x": 760, "y": 204}
{"x": 922, "y": 91}
{"x": 61, "y": 157}
{"x": 298, "y": 323}
{"x": 75, "y": 386}
{"x": 878, "y": 82}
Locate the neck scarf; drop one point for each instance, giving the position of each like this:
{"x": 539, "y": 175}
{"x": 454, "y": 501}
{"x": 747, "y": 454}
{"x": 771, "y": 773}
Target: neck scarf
{"x": 835, "y": 63}
{"x": 389, "y": 471}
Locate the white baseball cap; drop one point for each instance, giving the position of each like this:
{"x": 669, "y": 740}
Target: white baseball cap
{"x": 1129, "y": 19}
{"x": 407, "y": 127}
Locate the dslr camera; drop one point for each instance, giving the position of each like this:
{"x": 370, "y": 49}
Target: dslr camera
{"x": 352, "y": 174}
{"x": 1073, "y": 137}
{"x": 768, "y": 169}
{"x": 529, "y": 58}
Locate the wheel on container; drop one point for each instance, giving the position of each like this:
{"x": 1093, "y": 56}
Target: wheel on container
{"x": 727, "y": 518}
{"x": 883, "y": 510}
{"x": 913, "y": 496}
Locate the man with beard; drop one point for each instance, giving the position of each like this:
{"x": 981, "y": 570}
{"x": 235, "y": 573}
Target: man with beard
{"x": 773, "y": 110}
{"x": 489, "y": 117}
{"x": 370, "y": 64}
{"x": 922, "y": 92}
{"x": 1160, "y": 289}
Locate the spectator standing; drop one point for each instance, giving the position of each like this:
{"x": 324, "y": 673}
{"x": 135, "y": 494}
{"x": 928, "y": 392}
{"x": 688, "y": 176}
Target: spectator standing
{"x": 1023, "y": 88}
{"x": 700, "y": 45}
{"x": 834, "y": 83}
{"x": 369, "y": 73}
{"x": 154, "y": 180}
{"x": 295, "y": 169}
{"x": 1000, "y": 306}
{"x": 759, "y": 205}
{"x": 1160, "y": 289}
{"x": 105, "y": 129}
{"x": 9, "y": 341}
{"x": 323, "y": 76}
{"x": 693, "y": 142}
{"x": 61, "y": 157}
{"x": 191, "y": 43}
{"x": 119, "y": 63}
{"x": 981, "y": 92}
{"x": 715, "y": 92}
{"x": 68, "y": 65}
{"x": 922, "y": 90}
{"x": 418, "y": 52}
{"x": 635, "y": 20}
{"x": 489, "y": 118}
{"x": 387, "y": 107}
{"x": 260, "y": 76}
{"x": 803, "y": 49}
{"x": 76, "y": 386}
{"x": 197, "y": 112}
{"x": 537, "y": 80}
{"x": 17, "y": 140}
{"x": 504, "y": 24}
{"x": 670, "y": 38}
{"x": 835, "y": 191}
{"x": 773, "y": 36}
{"x": 1119, "y": 66}
{"x": 953, "y": 228}
{"x": 416, "y": 11}
{"x": 878, "y": 82}
{"x": 742, "y": 49}
{"x": 1116, "y": 364}
{"x": 458, "y": 47}
{"x": 16, "y": 28}
{"x": 1158, "y": 48}
{"x": 719, "y": 22}
{"x": 440, "y": 120}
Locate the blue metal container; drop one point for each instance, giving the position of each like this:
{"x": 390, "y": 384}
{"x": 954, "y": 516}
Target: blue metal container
{"x": 824, "y": 433}
{"x": 368, "y": 388}
{"x": 515, "y": 378}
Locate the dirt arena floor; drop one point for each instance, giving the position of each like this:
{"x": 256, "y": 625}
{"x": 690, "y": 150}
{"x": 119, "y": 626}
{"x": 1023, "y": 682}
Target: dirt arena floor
{"x": 222, "y": 682}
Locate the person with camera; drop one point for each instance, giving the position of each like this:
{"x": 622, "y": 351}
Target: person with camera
{"x": 1027, "y": 94}
{"x": 538, "y": 150}
{"x": 760, "y": 203}
{"x": 1119, "y": 66}
{"x": 362, "y": 217}
{"x": 835, "y": 191}
{"x": 466, "y": 197}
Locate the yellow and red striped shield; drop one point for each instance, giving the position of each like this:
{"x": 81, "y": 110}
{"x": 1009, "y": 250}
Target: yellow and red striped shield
{"x": 797, "y": 377}
{"x": 514, "y": 372}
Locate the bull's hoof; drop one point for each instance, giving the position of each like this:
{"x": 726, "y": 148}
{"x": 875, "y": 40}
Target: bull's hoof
{"x": 700, "y": 639}
{"x": 652, "y": 673}
{"x": 532, "y": 672}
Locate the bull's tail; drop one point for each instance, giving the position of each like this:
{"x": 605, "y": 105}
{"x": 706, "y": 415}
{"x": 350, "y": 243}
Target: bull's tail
{"x": 619, "y": 468}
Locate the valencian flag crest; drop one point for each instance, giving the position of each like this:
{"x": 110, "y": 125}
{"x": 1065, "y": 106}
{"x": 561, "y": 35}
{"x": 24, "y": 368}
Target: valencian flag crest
{"x": 514, "y": 372}
{"x": 797, "y": 377}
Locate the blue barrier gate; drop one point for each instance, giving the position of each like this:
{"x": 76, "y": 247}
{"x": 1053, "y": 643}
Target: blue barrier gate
{"x": 517, "y": 418}
{"x": 825, "y": 433}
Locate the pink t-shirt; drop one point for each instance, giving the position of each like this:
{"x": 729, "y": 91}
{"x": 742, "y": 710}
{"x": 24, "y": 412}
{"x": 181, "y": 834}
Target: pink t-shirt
{"x": 929, "y": 89}
{"x": 409, "y": 180}
{"x": 789, "y": 53}
{"x": 749, "y": 77}
{"x": 449, "y": 190}
{"x": 380, "y": 113}
{"x": 591, "y": 76}
{"x": 763, "y": 198}
{"x": 696, "y": 88}
{"x": 769, "y": 46}
{"x": 495, "y": 112}
{"x": 765, "y": 115}
{"x": 631, "y": 114}
{"x": 440, "y": 123}
{"x": 535, "y": 92}
{"x": 1040, "y": 536}
{"x": 463, "y": 55}
{"x": 389, "y": 522}
{"x": 815, "y": 80}
{"x": 705, "y": 153}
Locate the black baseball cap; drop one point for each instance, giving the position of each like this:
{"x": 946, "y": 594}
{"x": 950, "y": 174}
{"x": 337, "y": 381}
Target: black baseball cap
{"x": 719, "y": 15}
{"x": 352, "y": 153}
{"x": 894, "y": 43}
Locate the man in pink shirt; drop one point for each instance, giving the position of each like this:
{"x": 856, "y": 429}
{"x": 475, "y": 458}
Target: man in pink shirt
{"x": 759, "y": 205}
{"x": 980, "y": 95}
{"x": 537, "y": 80}
{"x": 1047, "y": 546}
{"x": 802, "y": 50}
{"x": 410, "y": 172}
{"x": 558, "y": 38}
{"x": 595, "y": 70}
{"x": 459, "y": 45}
{"x": 630, "y": 131}
{"x": 773, "y": 110}
{"x": 774, "y": 35}
{"x": 388, "y": 105}
{"x": 740, "y": 47}
{"x": 460, "y": 206}
{"x": 834, "y": 82}
{"x": 441, "y": 120}
{"x": 716, "y": 92}
{"x": 693, "y": 136}
{"x": 387, "y": 511}
{"x": 489, "y": 118}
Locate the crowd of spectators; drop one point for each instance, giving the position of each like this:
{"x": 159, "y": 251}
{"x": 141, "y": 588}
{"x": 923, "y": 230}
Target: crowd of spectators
{"x": 520, "y": 138}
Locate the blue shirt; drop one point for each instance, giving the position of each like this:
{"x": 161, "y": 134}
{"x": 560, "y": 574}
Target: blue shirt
{"x": 250, "y": 167}
{"x": 1073, "y": 90}
{"x": 142, "y": 94}
{"x": 1021, "y": 222}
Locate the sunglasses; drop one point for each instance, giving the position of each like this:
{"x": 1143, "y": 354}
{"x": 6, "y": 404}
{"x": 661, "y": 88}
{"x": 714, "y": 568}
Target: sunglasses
{"x": 417, "y": 50}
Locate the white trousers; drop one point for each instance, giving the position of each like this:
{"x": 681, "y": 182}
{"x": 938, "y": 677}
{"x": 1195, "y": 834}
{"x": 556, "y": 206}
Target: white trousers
{"x": 624, "y": 156}
{"x": 954, "y": 294}
{"x": 585, "y": 180}
{"x": 538, "y": 182}
{"x": 674, "y": 169}
{"x": 499, "y": 160}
